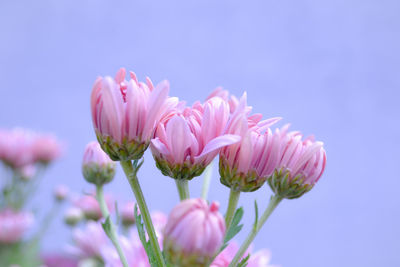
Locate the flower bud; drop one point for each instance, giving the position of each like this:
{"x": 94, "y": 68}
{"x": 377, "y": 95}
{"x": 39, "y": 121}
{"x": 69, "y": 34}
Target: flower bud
{"x": 97, "y": 167}
{"x": 300, "y": 167}
{"x": 61, "y": 192}
{"x": 194, "y": 233}
{"x": 73, "y": 216}
{"x": 91, "y": 208}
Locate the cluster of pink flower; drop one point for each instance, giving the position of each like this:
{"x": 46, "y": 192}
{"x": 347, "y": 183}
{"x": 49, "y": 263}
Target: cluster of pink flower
{"x": 129, "y": 116}
{"x": 22, "y": 150}
{"x": 23, "y": 153}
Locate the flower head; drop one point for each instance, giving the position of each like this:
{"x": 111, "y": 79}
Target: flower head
{"x": 186, "y": 142}
{"x": 301, "y": 164}
{"x": 73, "y": 216}
{"x": 89, "y": 241}
{"x": 61, "y": 192}
{"x": 127, "y": 213}
{"x": 13, "y": 225}
{"x": 245, "y": 166}
{"x": 20, "y": 148}
{"x": 91, "y": 208}
{"x": 194, "y": 233}
{"x": 125, "y": 113}
{"x": 97, "y": 167}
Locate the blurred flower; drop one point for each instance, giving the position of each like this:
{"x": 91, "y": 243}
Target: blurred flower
{"x": 58, "y": 260}
{"x": 73, "y": 216}
{"x": 22, "y": 147}
{"x": 91, "y": 208}
{"x": 127, "y": 213}
{"x": 61, "y": 192}
{"x": 125, "y": 113}
{"x": 89, "y": 241}
{"x": 16, "y": 147}
{"x": 46, "y": 148}
{"x": 132, "y": 246}
{"x": 246, "y": 165}
{"x": 13, "y": 225}
{"x": 194, "y": 233}
{"x": 97, "y": 167}
{"x": 186, "y": 142}
{"x": 133, "y": 250}
{"x": 260, "y": 258}
{"x": 301, "y": 164}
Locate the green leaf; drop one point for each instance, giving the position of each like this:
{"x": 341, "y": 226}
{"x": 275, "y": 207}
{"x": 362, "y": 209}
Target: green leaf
{"x": 107, "y": 225}
{"x": 142, "y": 236}
{"x": 244, "y": 261}
{"x": 234, "y": 228}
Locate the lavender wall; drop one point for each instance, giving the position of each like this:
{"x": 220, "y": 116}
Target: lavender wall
{"x": 329, "y": 67}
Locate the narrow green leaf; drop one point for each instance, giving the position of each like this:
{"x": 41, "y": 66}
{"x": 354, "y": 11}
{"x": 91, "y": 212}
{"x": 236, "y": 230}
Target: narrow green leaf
{"x": 107, "y": 225}
{"x": 244, "y": 261}
{"x": 235, "y": 228}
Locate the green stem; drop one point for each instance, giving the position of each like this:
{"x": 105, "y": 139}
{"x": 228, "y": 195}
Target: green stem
{"x": 275, "y": 200}
{"x": 233, "y": 201}
{"x": 206, "y": 181}
{"x": 130, "y": 173}
{"x": 183, "y": 189}
{"x": 112, "y": 234}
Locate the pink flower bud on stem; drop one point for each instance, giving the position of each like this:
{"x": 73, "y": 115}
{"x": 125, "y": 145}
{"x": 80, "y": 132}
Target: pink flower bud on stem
{"x": 97, "y": 167}
{"x": 194, "y": 233}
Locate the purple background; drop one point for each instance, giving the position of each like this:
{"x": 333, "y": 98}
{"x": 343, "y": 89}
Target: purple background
{"x": 331, "y": 68}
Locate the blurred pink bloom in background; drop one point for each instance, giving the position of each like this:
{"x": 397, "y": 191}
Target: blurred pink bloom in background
{"x": 91, "y": 208}
{"x": 260, "y": 258}
{"x": 13, "y": 225}
{"x": 20, "y": 147}
{"x": 89, "y": 241}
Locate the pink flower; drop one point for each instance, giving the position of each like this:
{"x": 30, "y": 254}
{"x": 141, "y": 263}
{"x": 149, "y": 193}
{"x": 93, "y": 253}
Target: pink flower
{"x": 97, "y": 167}
{"x": 20, "y": 148}
{"x": 186, "y": 142}
{"x": 46, "y": 148}
{"x": 90, "y": 207}
{"x": 245, "y": 166}
{"x": 132, "y": 246}
{"x": 301, "y": 164}
{"x": 89, "y": 241}
{"x": 58, "y": 260}
{"x": 260, "y": 258}
{"x": 194, "y": 231}
{"x": 125, "y": 113}
{"x": 16, "y": 147}
{"x": 13, "y": 225}
{"x": 61, "y": 192}
{"x": 224, "y": 94}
